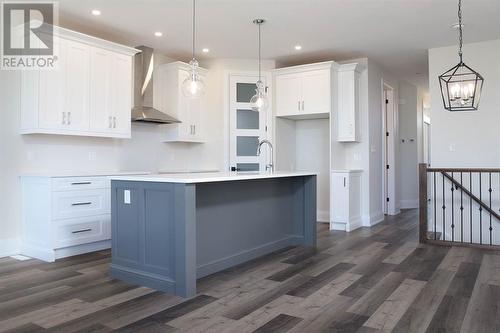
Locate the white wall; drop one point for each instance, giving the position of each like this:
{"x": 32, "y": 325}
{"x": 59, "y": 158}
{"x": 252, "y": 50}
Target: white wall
{"x": 143, "y": 152}
{"x": 376, "y": 77}
{"x": 466, "y": 139}
{"x": 312, "y": 143}
{"x": 408, "y": 144}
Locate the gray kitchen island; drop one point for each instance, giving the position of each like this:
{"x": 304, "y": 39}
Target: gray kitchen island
{"x": 170, "y": 230}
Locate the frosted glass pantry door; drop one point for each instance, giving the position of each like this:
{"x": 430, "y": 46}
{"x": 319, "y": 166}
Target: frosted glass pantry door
{"x": 246, "y": 127}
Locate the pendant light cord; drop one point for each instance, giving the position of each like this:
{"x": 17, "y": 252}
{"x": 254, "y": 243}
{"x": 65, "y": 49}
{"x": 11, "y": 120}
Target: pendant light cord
{"x": 460, "y": 33}
{"x": 259, "y": 51}
{"x": 194, "y": 24}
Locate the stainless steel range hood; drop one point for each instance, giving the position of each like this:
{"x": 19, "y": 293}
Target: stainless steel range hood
{"x": 143, "y": 90}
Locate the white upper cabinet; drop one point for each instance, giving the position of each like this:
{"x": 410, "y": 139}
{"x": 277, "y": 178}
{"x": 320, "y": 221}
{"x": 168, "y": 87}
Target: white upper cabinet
{"x": 305, "y": 91}
{"x": 348, "y": 103}
{"x": 168, "y": 98}
{"x": 89, "y": 93}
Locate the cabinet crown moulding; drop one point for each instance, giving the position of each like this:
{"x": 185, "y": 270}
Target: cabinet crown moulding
{"x": 93, "y": 41}
{"x": 308, "y": 67}
{"x": 356, "y": 67}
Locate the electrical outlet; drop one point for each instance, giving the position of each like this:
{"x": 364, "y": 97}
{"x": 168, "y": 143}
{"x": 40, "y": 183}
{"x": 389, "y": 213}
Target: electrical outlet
{"x": 92, "y": 156}
{"x": 126, "y": 197}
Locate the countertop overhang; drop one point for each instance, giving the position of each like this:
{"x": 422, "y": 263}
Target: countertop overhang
{"x": 193, "y": 178}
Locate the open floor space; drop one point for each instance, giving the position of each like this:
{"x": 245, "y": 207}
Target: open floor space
{"x": 375, "y": 279}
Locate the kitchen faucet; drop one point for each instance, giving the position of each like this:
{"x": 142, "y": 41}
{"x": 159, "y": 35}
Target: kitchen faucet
{"x": 269, "y": 166}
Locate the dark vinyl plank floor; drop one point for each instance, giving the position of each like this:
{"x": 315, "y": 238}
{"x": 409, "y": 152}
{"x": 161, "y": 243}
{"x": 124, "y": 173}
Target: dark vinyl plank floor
{"x": 375, "y": 279}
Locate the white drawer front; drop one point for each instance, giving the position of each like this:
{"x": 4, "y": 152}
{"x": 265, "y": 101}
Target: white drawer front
{"x": 81, "y": 231}
{"x": 72, "y": 204}
{"x": 79, "y": 183}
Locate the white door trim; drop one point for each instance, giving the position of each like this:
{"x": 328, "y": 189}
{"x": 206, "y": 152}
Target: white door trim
{"x": 226, "y": 105}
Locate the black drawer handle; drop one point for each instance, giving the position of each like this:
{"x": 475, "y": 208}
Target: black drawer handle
{"x": 81, "y": 203}
{"x": 79, "y": 231}
{"x": 82, "y": 183}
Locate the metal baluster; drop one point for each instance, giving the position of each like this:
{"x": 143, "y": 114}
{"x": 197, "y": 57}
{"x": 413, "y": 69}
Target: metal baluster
{"x": 435, "y": 203}
{"x": 470, "y": 207}
{"x": 452, "y": 209}
{"x": 461, "y": 208}
{"x": 444, "y": 209}
{"x": 480, "y": 209}
{"x": 490, "y": 190}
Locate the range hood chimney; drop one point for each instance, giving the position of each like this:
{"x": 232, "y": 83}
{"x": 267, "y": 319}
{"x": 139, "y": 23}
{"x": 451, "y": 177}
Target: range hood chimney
{"x": 143, "y": 110}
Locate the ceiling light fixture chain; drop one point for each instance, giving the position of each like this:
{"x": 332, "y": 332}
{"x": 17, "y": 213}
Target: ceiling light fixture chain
{"x": 194, "y": 27}
{"x": 193, "y": 86}
{"x": 259, "y": 101}
{"x": 460, "y": 32}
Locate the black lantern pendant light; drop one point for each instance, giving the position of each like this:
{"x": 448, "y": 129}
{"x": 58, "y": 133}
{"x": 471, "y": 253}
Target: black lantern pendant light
{"x": 461, "y": 86}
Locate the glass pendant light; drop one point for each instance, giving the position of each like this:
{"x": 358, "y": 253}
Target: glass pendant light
{"x": 461, "y": 86}
{"x": 259, "y": 101}
{"x": 193, "y": 86}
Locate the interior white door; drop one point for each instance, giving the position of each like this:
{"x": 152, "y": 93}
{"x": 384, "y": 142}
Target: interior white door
{"x": 246, "y": 127}
{"x": 316, "y": 92}
{"x": 288, "y": 94}
{"x": 76, "y": 89}
{"x": 121, "y": 92}
{"x": 100, "y": 97}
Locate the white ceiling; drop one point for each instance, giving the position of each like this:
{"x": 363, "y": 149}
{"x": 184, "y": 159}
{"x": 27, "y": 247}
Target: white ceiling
{"x": 394, "y": 33}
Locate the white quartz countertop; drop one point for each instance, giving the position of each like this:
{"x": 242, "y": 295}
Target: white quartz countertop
{"x": 190, "y": 178}
{"x": 65, "y": 174}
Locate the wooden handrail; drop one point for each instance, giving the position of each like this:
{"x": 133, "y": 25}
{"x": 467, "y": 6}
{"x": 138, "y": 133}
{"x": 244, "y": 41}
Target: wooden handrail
{"x": 463, "y": 170}
{"x": 469, "y": 193}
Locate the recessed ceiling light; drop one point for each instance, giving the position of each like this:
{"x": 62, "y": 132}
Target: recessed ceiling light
{"x": 205, "y": 50}
{"x": 96, "y": 12}
{"x": 298, "y": 47}
{"x": 158, "y": 34}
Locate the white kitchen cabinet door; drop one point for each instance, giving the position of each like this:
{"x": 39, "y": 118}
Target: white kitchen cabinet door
{"x": 100, "y": 97}
{"x": 345, "y": 199}
{"x": 348, "y": 103}
{"x": 288, "y": 94}
{"x": 316, "y": 92}
{"x": 50, "y": 92}
{"x": 76, "y": 85}
{"x": 340, "y": 198}
{"x": 121, "y": 93}
{"x": 168, "y": 98}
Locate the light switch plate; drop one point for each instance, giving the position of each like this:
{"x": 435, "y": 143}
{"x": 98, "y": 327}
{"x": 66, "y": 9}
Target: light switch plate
{"x": 126, "y": 197}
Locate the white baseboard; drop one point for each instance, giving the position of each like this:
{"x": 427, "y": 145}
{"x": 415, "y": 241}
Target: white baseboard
{"x": 337, "y": 226}
{"x": 50, "y": 255}
{"x": 369, "y": 220}
{"x": 354, "y": 224}
{"x": 323, "y": 216}
{"x": 9, "y": 247}
{"x": 406, "y": 204}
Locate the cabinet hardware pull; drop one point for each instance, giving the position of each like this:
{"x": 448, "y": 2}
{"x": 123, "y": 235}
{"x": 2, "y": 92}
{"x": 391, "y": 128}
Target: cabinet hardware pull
{"x": 81, "y": 183}
{"x": 79, "y": 231}
{"x": 302, "y": 105}
{"x": 109, "y": 122}
{"x": 298, "y": 105}
{"x": 114, "y": 122}
{"x": 344, "y": 181}
{"x": 194, "y": 129}
{"x": 81, "y": 203}
{"x": 64, "y": 118}
{"x": 69, "y": 118}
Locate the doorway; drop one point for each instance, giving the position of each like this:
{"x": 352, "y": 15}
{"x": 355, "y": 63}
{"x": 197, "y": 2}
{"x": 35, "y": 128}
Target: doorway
{"x": 245, "y": 126}
{"x": 389, "y": 125}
